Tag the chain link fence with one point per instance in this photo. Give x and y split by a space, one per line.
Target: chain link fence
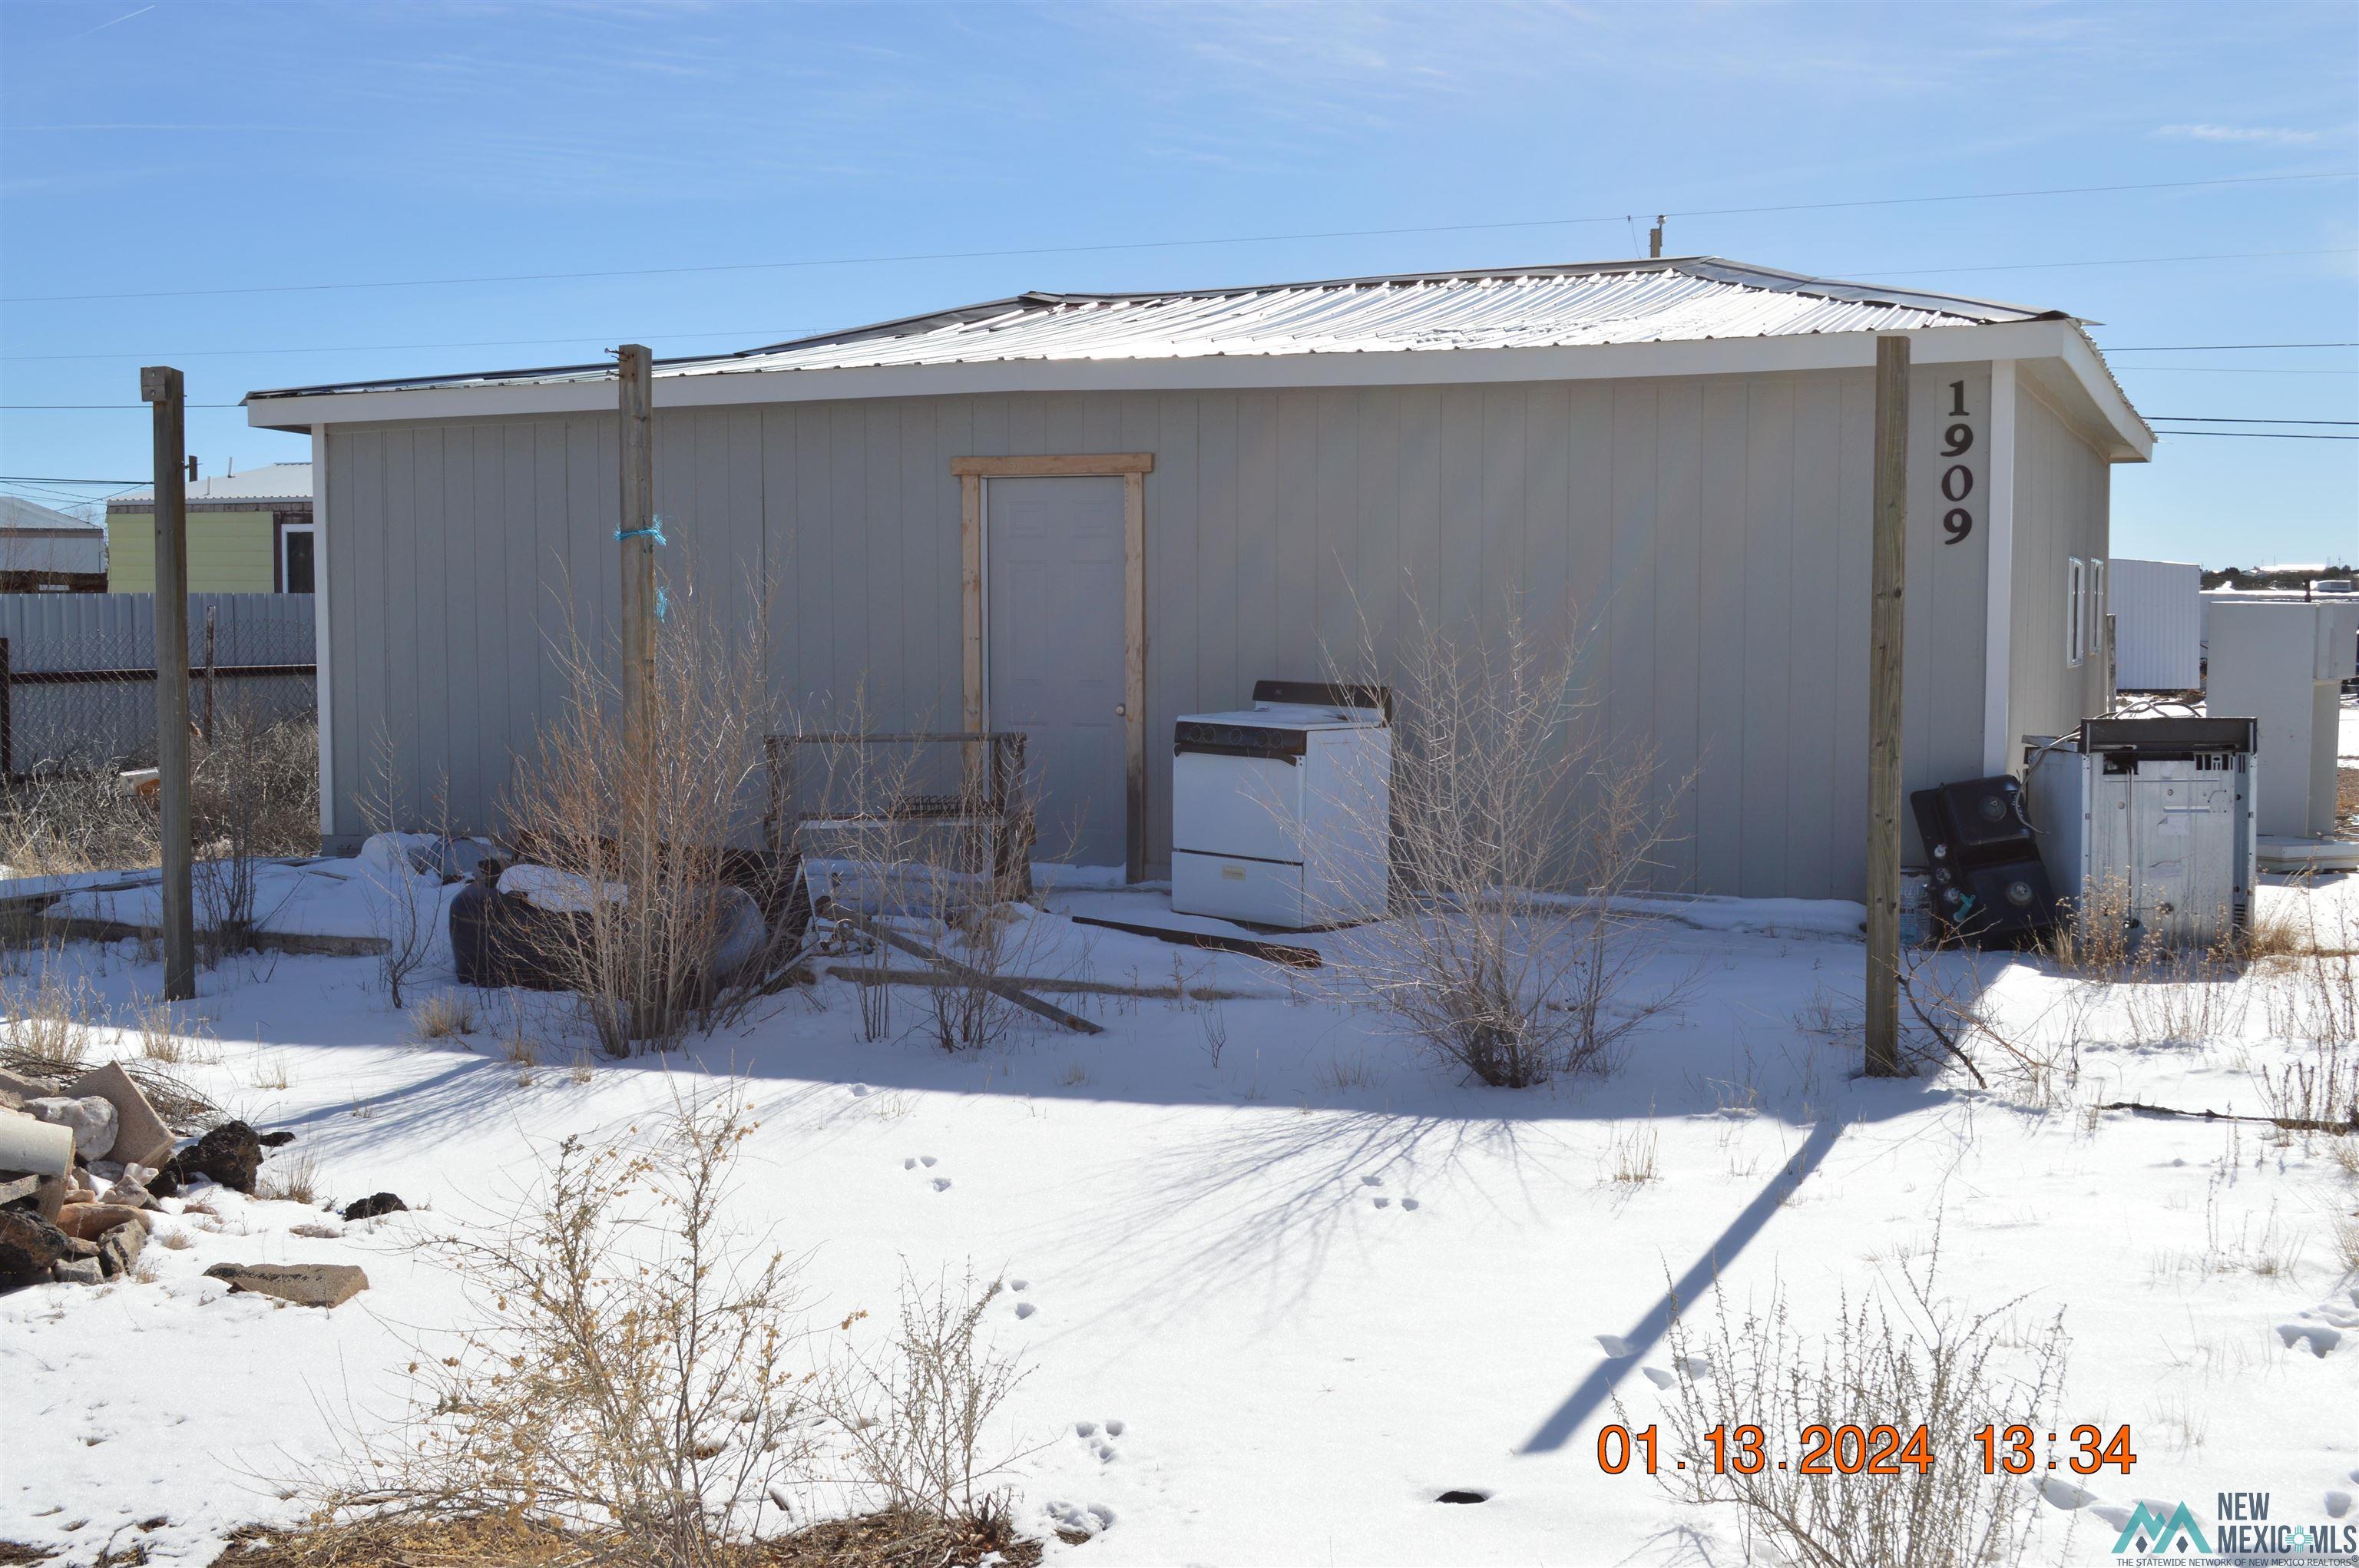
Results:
78 720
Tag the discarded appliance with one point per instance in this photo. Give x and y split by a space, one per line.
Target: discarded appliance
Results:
2160 811
1984 874
2282 661
1281 812
2157 612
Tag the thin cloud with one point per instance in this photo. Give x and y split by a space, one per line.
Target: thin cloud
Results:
2277 136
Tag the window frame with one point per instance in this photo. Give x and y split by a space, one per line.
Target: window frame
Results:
2076 611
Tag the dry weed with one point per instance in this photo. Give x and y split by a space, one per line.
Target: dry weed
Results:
446 1015
631 1381
1518 830
290 1178
1763 1380
663 943
49 1021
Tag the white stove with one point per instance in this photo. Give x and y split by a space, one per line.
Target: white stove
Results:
1280 813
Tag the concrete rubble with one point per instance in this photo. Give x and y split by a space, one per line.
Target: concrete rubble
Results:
86 1164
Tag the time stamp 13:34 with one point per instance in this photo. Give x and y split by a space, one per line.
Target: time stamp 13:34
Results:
1882 1450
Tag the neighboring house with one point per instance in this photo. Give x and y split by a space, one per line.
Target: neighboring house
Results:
44 550
248 533
943 509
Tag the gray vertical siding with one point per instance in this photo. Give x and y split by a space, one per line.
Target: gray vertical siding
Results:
2062 508
1714 530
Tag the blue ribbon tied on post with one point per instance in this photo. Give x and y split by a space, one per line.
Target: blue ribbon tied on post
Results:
654 531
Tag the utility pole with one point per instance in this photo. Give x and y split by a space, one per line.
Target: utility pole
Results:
635 373
1886 619
1655 239
162 386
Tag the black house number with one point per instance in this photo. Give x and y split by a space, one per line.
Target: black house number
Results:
1957 480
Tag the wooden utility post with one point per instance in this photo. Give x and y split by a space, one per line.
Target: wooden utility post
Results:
162 386
1886 620
1654 238
635 373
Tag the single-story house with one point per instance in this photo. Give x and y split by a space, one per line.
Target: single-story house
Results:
248 533
1087 515
44 550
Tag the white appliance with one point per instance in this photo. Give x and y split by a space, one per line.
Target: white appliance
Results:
2282 661
2159 808
1281 812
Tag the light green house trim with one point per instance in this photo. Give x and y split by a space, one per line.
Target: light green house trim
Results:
229 552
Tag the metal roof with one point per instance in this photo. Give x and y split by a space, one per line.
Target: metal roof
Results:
1677 298
18 514
271 481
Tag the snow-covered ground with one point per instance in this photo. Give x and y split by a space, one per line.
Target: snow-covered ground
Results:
1318 1279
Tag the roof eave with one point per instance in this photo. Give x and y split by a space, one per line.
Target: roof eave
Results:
2107 413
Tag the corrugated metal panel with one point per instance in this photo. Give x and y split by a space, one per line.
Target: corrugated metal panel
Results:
2157 610
1687 299
271 481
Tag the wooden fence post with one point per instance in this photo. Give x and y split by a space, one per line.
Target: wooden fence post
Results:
162 386
1889 576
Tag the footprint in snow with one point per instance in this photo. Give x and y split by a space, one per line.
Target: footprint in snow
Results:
2337 1503
1384 1203
2119 1514
1019 1284
1085 1429
910 1163
927 1161
1025 1308
2316 1337
1115 1429
1372 1180
1659 1377
860 1091
941 1183
1408 1203
1614 1344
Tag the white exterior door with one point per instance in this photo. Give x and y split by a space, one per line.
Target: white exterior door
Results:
1053 653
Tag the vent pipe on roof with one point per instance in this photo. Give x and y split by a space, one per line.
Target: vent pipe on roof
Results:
1655 239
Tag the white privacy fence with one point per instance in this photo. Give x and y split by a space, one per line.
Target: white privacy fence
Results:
77 672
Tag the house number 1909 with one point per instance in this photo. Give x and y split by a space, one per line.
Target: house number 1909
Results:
1957 480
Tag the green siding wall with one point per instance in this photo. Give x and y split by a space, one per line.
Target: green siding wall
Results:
229 552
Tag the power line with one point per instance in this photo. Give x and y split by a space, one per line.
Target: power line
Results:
37 408
2207 347
1156 244
2258 435
168 355
2108 261
2224 420
53 479
2227 370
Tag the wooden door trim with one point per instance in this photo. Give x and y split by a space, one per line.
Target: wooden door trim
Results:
1132 468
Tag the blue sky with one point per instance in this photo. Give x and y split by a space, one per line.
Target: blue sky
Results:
181 145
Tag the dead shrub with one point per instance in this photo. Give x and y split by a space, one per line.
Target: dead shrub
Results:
57 824
1914 1359
1518 833
917 1420
639 825
631 1386
253 795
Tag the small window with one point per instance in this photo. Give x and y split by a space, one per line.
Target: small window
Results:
296 559
2076 611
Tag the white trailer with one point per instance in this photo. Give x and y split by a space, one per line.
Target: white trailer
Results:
2157 612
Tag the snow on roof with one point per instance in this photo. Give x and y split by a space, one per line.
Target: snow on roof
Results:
271 481
1677 298
16 512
